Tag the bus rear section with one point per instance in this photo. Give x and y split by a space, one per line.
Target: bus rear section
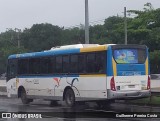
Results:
129 76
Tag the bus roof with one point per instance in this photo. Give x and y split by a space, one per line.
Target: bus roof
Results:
78 48
63 50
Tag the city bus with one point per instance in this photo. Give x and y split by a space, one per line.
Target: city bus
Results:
81 72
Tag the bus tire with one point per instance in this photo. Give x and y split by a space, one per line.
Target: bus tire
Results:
69 98
24 98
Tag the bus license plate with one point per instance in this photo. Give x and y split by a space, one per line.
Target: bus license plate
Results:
131 86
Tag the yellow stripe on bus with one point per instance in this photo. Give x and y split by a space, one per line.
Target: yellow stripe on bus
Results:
146 66
114 67
90 49
93 75
17 82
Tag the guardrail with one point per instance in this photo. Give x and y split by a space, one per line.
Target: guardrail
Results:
3 88
155 84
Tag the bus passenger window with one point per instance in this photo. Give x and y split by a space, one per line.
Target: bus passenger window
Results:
82 63
66 64
52 65
23 66
34 66
91 63
58 64
100 62
45 63
12 68
74 64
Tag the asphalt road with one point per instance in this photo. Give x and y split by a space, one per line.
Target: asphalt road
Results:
87 112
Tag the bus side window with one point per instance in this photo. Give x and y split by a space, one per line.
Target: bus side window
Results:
66 63
45 63
100 62
34 66
91 63
23 65
12 69
74 64
82 63
58 65
52 67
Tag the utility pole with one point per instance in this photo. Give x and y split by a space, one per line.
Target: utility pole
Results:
18 30
86 23
125 25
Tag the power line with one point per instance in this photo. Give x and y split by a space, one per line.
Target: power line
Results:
92 22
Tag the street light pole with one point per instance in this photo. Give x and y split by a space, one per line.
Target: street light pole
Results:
18 30
86 23
125 25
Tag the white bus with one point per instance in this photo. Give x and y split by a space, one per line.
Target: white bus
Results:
80 73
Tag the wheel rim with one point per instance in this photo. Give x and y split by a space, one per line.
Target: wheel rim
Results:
23 95
70 98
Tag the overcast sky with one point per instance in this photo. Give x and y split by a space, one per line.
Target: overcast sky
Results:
24 13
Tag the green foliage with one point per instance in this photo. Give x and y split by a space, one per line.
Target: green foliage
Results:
142 29
41 36
155 61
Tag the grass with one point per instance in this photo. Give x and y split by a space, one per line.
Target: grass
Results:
153 100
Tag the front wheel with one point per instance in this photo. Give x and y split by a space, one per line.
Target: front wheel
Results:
69 98
24 98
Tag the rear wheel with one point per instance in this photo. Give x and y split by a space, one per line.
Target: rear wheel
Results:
69 98
24 98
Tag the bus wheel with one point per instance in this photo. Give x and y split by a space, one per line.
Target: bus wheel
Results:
69 98
24 98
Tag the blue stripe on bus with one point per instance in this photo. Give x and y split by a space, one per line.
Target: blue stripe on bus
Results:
130 69
45 53
109 62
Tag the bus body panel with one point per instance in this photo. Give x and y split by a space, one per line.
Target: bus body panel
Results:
124 83
11 88
128 87
93 87
84 87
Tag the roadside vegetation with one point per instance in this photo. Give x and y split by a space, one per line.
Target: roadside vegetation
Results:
153 100
143 28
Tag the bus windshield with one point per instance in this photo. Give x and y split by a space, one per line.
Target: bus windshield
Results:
129 56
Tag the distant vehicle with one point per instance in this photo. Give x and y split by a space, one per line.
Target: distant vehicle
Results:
80 73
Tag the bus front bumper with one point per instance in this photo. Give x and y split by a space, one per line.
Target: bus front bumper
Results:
128 94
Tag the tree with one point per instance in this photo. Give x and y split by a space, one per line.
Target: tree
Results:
41 37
